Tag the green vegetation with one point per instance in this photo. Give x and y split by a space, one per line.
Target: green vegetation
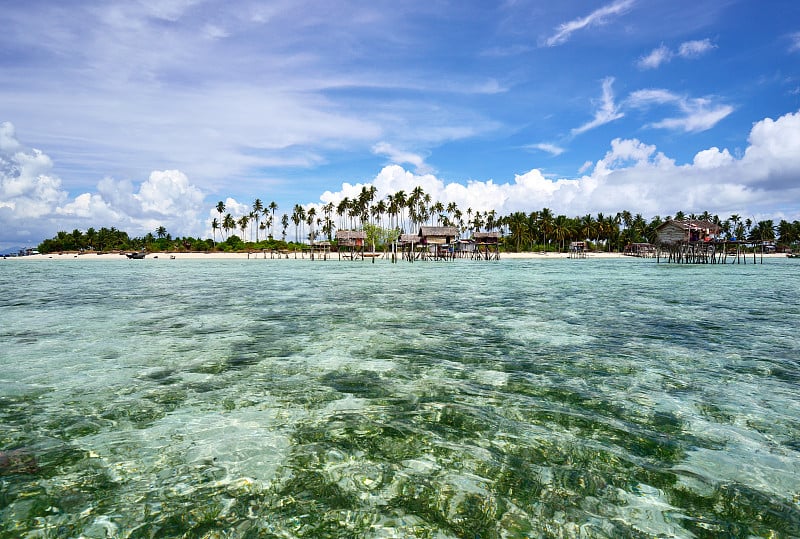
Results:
384 219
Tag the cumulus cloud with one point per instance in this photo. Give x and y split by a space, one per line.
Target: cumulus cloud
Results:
34 205
606 112
595 18
697 114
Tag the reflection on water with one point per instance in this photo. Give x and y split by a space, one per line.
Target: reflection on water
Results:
595 398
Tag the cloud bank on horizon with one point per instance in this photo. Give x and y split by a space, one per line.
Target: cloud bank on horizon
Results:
631 174
146 114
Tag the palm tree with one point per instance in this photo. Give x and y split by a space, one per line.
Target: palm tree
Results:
258 207
228 224
561 230
401 200
220 209
328 228
298 218
214 228
310 219
272 207
161 232
342 210
243 221
519 230
91 237
545 223
587 226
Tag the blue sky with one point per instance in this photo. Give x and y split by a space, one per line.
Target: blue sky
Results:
138 114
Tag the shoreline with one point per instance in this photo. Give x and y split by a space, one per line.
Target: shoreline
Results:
258 255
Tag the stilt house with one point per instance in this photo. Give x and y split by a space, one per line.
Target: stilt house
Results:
689 230
487 245
351 243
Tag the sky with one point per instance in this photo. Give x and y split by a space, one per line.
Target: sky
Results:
140 114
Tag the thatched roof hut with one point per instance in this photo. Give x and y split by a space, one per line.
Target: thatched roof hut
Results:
406 239
486 237
351 238
437 235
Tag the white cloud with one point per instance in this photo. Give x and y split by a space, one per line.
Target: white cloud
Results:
35 205
400 157
694 49
630 175
698 114
712 158
663 54
607 111
552 149
597 17
8 139
657 57
794 46
772 155
635 175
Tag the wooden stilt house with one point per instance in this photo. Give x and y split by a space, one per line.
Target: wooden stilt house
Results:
350 244
438 240
690 241
487 245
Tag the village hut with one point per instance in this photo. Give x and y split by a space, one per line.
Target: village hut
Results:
641 250
690 241
409 246
688 230
577 249
351 243
487 245
438 240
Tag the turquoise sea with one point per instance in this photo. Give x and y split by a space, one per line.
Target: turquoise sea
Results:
282 398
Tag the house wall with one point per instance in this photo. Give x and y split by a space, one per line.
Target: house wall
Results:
671 234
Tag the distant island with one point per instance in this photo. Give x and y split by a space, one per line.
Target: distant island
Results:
383 220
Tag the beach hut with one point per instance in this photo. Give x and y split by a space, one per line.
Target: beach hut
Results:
688 230
690 241
438 240
487 245
351 243
641 250
409 246
577 249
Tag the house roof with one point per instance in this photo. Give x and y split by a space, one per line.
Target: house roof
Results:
350 235
690 224
428 231
486 235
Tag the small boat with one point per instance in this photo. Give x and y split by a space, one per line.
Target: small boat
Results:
793 255
135 256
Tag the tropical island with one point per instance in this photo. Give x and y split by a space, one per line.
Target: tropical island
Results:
383 220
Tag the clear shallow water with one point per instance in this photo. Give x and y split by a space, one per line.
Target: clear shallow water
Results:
525 398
